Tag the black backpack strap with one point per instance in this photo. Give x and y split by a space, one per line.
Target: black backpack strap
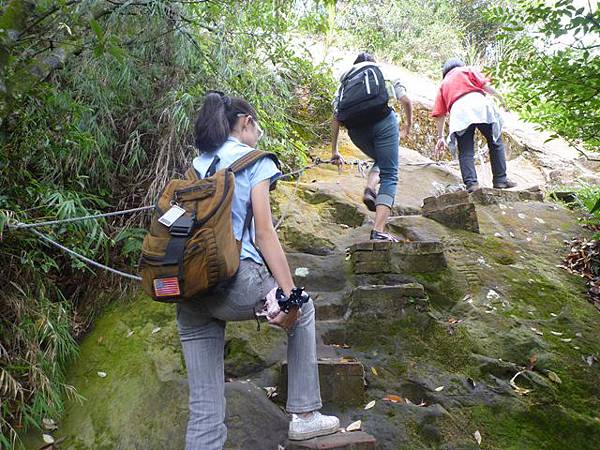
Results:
213 167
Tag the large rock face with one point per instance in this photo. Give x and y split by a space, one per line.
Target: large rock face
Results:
453 333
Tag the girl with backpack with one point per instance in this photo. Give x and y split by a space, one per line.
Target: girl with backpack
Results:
462 95
361 105
226 129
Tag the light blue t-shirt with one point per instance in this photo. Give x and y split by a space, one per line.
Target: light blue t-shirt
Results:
263 169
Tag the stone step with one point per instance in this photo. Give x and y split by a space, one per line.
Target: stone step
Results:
355 440
342 382
386 301
454 210
374 257
330 332
491 196
330 305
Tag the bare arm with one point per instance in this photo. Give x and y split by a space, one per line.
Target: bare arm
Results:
335 132
267 239
408 112
441 142
270 247
336 158
439 123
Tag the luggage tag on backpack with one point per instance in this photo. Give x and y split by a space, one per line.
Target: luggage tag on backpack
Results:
174 213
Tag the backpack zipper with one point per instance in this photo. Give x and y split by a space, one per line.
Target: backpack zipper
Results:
375 76
367 82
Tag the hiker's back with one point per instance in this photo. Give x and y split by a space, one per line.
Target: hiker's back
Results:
202 226
245 180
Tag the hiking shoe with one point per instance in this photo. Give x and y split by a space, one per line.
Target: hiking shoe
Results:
369 199
473 187
506 185
382 236
316 425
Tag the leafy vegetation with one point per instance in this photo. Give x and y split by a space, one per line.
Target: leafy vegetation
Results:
97 99
551 65
417 34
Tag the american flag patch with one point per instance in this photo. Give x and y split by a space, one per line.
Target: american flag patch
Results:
166 287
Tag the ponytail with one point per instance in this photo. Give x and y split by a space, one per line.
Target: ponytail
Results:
216 119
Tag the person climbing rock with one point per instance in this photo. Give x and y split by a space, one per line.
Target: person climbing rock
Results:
361 105
225 130
462 94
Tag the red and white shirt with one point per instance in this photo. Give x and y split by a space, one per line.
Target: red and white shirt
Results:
457 83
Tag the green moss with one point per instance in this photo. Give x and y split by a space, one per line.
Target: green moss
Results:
539 426
444 288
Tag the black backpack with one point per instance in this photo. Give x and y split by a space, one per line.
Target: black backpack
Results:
363 97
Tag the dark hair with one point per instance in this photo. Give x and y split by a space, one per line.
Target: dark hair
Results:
364 56
450 64
216 119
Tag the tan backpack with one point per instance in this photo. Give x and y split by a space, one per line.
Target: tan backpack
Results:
190 246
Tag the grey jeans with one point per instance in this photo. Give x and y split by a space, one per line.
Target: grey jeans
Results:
201 328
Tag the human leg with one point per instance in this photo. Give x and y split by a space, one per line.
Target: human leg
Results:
466 144
386 148
304 397
202 345
497 155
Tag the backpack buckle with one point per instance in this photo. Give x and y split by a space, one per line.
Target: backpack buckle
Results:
182 226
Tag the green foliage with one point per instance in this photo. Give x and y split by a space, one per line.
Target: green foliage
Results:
417 34
588 199
97 102
552 64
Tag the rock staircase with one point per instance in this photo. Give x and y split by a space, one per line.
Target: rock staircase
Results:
380 289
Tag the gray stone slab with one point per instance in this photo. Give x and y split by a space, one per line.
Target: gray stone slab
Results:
355 440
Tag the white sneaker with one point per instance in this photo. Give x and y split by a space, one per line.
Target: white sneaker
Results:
316 425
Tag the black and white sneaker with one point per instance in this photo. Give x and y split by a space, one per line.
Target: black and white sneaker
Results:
382 236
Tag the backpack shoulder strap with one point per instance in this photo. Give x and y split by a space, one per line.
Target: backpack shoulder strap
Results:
250 158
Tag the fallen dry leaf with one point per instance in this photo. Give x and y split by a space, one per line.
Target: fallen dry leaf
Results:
130 333
439 389
536 331
156 330
393 398
49 424
477 436
301 272
471 382
370 404
374 371
556 333
566 339
101 374
48 439
346 359
554 377
271 391
519 390
354 426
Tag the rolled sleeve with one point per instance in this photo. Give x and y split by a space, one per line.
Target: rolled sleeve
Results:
399 89
264 169
439 106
